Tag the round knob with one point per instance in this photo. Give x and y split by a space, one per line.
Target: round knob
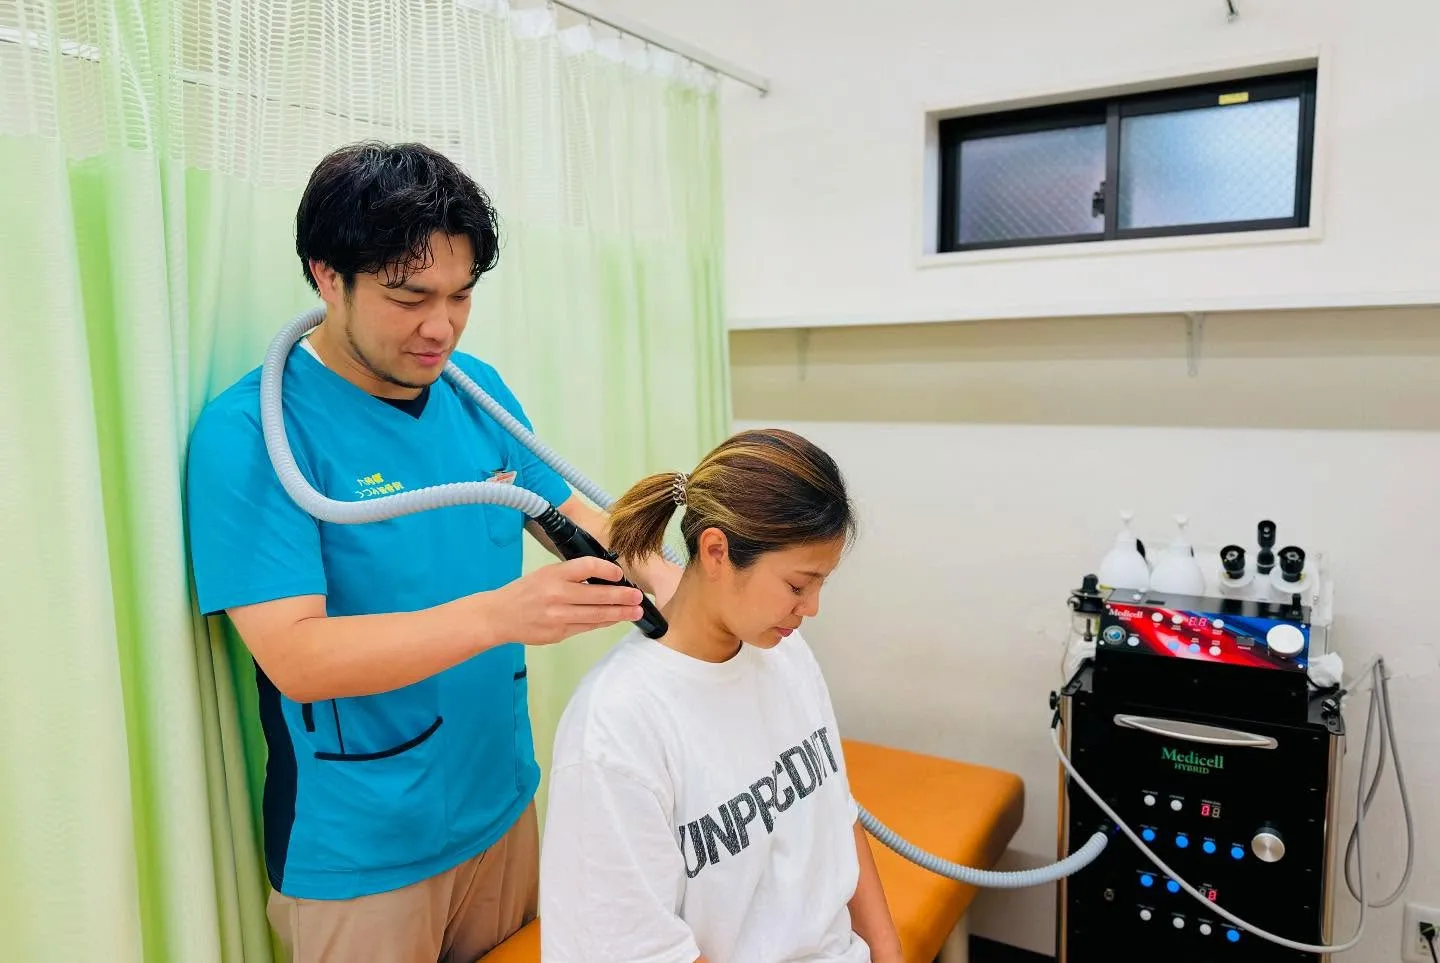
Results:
1267 846
1178 922
1176 805
1285 640
1149 799
1292 563
1232 557
1145 914
1205 929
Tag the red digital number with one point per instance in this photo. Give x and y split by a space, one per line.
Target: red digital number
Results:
1205 809
1211 895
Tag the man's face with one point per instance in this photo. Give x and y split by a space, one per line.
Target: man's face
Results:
402 332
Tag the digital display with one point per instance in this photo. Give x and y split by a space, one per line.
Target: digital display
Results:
1209 810
1198 623
1210 893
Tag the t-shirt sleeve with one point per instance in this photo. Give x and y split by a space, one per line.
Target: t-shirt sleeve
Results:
249 542
611 873
531 472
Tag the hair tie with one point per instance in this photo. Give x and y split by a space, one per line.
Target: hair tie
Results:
677 487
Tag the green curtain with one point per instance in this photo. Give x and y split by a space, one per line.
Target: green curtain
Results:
151 156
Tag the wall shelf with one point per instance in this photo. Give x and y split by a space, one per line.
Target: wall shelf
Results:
1209 307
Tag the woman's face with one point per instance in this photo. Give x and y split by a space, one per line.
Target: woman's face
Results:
767 601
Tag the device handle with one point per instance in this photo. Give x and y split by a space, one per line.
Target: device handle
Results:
1195 732
572 541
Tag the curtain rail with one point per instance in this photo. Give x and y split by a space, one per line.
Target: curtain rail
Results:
639 32
680 47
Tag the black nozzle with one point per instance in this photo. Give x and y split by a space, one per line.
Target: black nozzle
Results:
1087 597
1265 561
572 541
1232 557
1292 563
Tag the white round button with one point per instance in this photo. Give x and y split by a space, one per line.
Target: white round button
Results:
1177 620
1157 617
1204 929
1176 804
1149 799
1145 914
1285 640
1178 923
1133 641
1218 623
1214 650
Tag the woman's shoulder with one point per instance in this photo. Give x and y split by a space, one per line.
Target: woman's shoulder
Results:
613 715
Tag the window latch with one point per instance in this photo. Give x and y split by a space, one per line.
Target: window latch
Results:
1097 202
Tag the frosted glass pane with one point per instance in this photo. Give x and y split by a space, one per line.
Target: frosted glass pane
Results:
1209 165
1034 185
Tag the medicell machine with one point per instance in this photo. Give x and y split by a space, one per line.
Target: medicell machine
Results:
1196 720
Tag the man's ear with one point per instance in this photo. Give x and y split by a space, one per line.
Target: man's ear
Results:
331 284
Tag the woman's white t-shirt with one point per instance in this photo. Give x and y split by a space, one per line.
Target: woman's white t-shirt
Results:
699 808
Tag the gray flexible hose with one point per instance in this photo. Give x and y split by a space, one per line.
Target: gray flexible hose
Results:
272 424
491 493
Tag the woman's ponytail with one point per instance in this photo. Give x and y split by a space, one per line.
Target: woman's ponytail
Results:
639 517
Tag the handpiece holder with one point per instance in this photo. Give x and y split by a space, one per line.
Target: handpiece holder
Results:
572 541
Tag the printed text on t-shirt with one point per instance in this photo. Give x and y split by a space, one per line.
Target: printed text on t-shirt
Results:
797 773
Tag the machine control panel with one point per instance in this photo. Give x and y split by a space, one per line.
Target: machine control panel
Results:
1217 631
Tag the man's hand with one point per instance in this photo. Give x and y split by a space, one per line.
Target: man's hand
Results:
555 602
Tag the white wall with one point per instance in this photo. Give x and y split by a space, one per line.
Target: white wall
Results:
1023 438
824 173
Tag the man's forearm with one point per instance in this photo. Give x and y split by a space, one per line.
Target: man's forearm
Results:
869 913
338 657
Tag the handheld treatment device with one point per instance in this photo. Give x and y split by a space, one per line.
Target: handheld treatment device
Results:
572 542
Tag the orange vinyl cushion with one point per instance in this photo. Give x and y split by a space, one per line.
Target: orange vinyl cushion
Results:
958 811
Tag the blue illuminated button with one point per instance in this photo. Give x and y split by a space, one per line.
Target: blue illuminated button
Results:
1209 847
1182 840
1174 646
1146 880
1173 886
1237 851
1233 936
1148 835
1194 646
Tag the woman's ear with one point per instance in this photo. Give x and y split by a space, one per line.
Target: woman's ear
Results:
712 551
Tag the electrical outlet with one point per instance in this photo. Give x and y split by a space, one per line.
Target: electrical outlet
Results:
1414 947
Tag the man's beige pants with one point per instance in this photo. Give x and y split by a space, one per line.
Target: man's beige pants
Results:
455 917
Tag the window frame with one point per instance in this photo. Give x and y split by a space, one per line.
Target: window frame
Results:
1111 111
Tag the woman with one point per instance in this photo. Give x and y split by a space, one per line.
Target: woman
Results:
699 807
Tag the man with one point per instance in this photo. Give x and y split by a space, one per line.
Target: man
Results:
399 817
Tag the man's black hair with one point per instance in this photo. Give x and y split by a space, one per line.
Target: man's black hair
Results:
370 208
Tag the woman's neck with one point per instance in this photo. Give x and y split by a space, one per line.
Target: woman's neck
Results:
694 628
